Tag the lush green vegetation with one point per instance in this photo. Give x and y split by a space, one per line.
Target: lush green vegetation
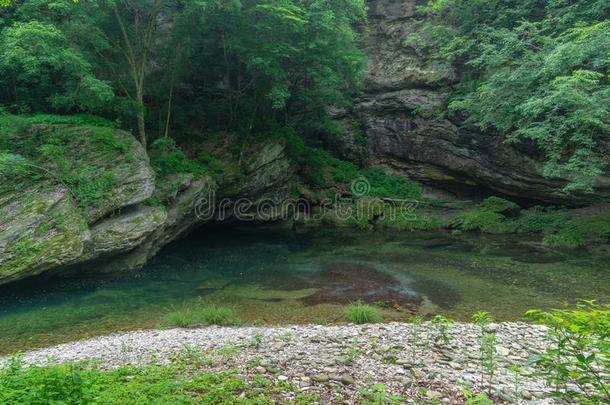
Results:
360 313
79 152
245 66
560 227
179 383
577 361
530 71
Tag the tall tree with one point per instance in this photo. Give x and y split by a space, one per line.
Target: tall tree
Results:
133 34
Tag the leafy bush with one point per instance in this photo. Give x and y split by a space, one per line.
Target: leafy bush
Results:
389 186
579 231
44 385
166 158
319 167
538 220
360 313
485 221
211 164
489 216
578 359
499 205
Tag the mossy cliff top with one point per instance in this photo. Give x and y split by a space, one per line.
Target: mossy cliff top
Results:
58 177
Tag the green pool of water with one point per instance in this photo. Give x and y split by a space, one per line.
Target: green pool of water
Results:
276 276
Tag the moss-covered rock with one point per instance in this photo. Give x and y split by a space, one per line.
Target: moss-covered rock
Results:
40 228
62 186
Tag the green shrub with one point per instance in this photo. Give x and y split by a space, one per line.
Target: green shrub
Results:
485 221
211 164
578 359
539 220
166 158
489 216
360 313
579 231
389 186
497 204
44 385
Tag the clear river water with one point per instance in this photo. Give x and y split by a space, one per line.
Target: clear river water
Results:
279 276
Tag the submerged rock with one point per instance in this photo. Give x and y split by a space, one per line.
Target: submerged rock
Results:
350 282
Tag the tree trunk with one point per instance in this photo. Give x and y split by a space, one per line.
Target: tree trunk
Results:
140 117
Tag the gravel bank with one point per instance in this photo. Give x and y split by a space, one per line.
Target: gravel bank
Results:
330 359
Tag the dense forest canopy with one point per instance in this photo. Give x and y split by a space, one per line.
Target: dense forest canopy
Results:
173 66
535 70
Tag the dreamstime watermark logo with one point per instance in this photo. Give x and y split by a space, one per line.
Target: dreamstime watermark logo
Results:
358 206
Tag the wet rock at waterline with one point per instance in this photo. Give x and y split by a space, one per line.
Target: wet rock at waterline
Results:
47 227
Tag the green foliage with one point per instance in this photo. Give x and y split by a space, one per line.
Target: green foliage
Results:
45 73
167 158
539 220
38 385
499 205
477 399
487 217
247 66
529 72
317 166
578 358
578 231
377 394
443 325
181 382
388 186
360 313
211 164
487 347
44 147
482 318
195 316
480 219
276 58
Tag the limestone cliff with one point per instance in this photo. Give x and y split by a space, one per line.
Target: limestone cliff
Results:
114 214
396 124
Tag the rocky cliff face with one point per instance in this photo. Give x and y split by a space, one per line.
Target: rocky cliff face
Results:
395 124
45 229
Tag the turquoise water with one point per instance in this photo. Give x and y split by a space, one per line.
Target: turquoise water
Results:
274 276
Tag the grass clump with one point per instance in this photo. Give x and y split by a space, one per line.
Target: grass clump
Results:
360 313
191 317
